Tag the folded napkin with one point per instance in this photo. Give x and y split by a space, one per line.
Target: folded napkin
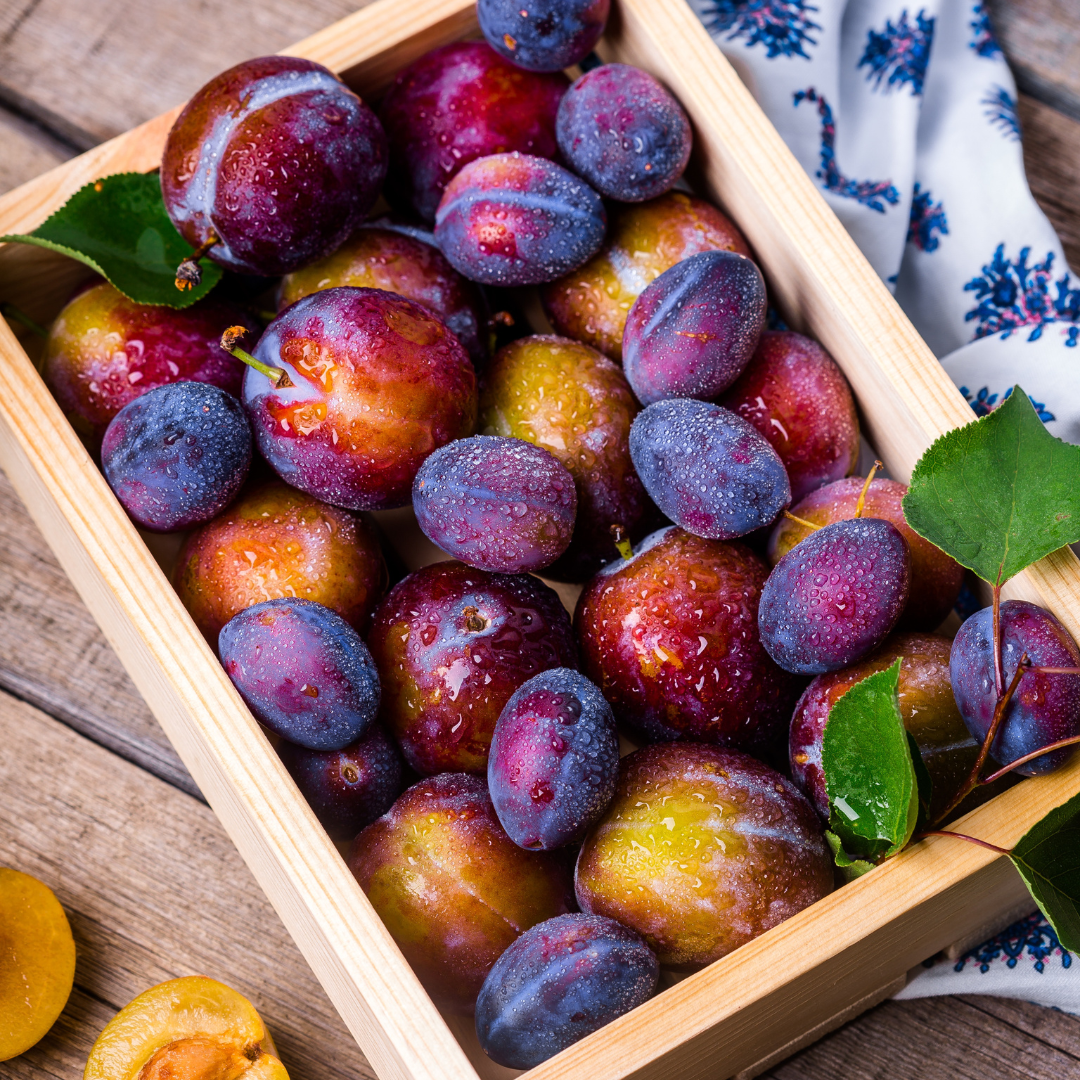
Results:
905 117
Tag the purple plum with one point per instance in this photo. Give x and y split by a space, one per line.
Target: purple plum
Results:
516 219
177 455
623 132
543 35
694 329
561 980
499 504
303 671
554 760
707 469
835 597
1044 708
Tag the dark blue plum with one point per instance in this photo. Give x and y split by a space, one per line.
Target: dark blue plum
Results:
835 596
495 503
1044 708
543 35
178 455
303 671
554 760
693 330
623 132
561 980
515 219
349 788
707 469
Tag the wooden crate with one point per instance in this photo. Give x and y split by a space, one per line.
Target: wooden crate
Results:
827 961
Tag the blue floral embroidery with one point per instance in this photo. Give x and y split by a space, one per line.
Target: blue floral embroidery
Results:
926 220
983 402
1011 295
983 42
1033 934
900 53
870 193
1000 109
782 26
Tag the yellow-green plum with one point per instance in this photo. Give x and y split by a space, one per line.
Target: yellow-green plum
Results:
701 850
452 888
575 403
643 240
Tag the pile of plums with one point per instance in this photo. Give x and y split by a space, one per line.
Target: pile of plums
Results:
687 466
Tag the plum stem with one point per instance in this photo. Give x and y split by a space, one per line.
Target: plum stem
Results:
622 542
278 376
189 273
1049 748
474 621
11 312
999 667
801 521
984 751
963 836
860 503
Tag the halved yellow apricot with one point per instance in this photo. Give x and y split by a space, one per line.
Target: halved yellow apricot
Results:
193 1028
37 961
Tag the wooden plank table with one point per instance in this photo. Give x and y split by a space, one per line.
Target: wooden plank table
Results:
94 801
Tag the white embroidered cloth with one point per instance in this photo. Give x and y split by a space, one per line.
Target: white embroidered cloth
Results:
905 116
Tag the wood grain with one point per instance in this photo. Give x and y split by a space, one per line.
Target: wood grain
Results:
970 1038
1041 39
1052 161
92 71
28 150
54 655
154 889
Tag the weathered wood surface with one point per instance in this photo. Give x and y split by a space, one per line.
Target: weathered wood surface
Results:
154 889
88 71
1041 38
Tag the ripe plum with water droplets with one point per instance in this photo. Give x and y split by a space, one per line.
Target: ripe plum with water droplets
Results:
694 329
543 35
836 596
378 383
303 671
452 643
671 638
517 219
561 980
276 160
452 888
554 757
498 504
701 850
1045 708
177 455
624 133
707 469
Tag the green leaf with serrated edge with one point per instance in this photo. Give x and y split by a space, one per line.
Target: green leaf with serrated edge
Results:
849 867
923 782
1048 859
998 494
119 227
869 775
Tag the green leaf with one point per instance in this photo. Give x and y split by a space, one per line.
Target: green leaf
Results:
1048 858
924 784
119 227
998 494
869 775
852 868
